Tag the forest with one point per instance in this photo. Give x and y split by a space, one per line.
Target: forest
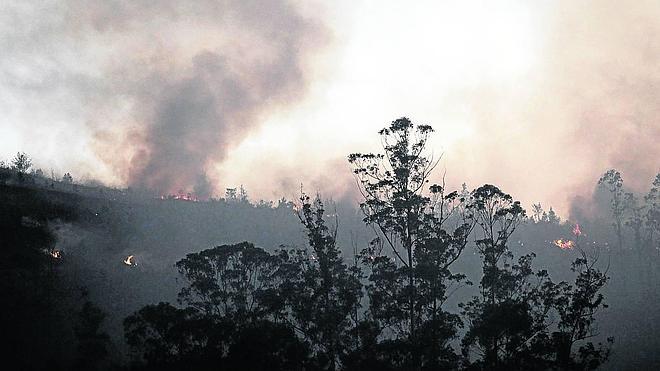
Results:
415 277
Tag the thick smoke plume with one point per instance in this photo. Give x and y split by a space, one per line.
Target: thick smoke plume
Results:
192 118
539 98
168 86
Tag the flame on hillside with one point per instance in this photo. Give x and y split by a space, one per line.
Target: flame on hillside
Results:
564 244
577 231
53 253
129 260
180 196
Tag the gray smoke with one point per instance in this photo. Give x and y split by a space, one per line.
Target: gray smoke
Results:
164 87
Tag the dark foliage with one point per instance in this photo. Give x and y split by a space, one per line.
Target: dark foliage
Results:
303 308
306 308
421 231
36 330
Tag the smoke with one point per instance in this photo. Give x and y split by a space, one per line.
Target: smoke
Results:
612 85
590 102
187 122
606 58
165 89
538 98
194 109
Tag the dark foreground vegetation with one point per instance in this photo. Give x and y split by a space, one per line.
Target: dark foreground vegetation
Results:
434 279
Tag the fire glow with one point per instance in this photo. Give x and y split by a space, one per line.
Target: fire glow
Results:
56 254
180 196
564 244
129 260
577 231
568 244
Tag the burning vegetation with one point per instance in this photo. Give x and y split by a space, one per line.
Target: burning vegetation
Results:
53 253
129 261
316 287
181 197
564 244
577 231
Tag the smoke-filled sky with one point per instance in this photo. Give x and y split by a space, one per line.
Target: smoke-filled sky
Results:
537 97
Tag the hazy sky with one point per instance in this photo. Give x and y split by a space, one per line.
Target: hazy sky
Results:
537 97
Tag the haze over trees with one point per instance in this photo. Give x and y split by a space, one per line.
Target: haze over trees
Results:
442 280
314 302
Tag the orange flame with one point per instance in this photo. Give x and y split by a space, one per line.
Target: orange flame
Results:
564 244
56 254
129 260
577 231
180 196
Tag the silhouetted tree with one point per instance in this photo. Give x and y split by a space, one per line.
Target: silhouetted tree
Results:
576 306
409 285
552 217
21 163
537 211
230 194
229 280
324 292
164 336
510 324
67 178
264 346
613 183
511 307
652 200
233 317
634 219
242 307
242 195
36 328
92 342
